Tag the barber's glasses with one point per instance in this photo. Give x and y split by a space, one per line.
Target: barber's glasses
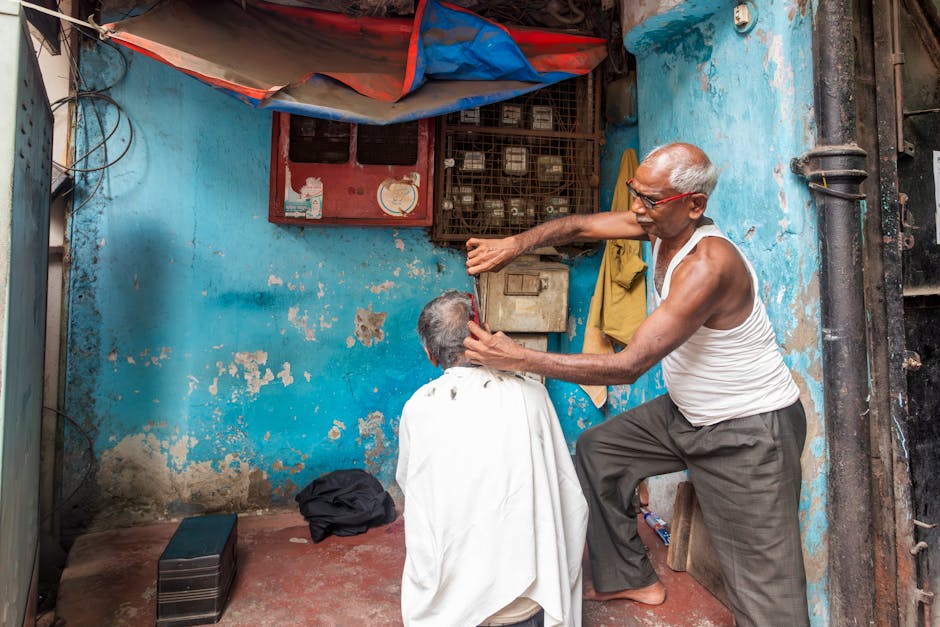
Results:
648 202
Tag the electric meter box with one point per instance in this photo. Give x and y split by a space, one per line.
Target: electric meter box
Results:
527 296
335 172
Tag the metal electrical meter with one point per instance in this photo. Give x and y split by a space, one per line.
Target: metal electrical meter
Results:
505 167
527 300
527 296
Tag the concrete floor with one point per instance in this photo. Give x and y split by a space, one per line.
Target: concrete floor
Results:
285 579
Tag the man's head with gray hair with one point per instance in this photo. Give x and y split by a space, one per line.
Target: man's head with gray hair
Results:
690 169
442 327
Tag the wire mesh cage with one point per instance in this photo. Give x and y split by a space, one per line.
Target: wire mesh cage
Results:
505 167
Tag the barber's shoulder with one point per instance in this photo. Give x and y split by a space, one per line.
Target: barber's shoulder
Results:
712 264
717 254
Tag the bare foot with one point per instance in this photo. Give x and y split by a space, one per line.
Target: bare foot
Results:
653 594
643 493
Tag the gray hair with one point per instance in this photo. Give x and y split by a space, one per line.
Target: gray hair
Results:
690 168
442 327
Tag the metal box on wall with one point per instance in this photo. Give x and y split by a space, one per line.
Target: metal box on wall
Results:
527 296
334 172
509 166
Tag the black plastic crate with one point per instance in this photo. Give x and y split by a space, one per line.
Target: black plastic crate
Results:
196 571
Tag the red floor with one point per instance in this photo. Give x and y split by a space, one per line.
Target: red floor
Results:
285 579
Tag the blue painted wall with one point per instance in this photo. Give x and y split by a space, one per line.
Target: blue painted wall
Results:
216 361
746 99
222 362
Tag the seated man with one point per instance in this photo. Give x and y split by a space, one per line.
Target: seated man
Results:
494 515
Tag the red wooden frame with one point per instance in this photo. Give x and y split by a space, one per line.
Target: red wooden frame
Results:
351 191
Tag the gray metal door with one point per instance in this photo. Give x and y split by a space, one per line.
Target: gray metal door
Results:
919 185
25 163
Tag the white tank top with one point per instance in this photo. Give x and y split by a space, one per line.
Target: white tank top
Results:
717 375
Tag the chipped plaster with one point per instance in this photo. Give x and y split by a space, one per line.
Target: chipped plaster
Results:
251 363
300 323
369 326
145 477
372 438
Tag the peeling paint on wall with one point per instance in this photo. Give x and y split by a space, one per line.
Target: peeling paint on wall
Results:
279 466
137 479
385 286
369 326
251 367
300 323
782 80
415 269
284 375
372 438
145 356
336 430
179 450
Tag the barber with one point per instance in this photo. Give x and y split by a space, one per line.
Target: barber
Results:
731 415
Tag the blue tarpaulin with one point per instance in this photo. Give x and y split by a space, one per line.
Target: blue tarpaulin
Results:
365 70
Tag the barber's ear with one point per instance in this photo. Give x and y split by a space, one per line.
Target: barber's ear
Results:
699 202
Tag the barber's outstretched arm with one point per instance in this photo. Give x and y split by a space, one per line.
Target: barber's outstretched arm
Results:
694 296
484 255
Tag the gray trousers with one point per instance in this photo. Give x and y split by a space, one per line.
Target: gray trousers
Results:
746 474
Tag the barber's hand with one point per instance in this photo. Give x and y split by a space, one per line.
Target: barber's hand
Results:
492 349
485 255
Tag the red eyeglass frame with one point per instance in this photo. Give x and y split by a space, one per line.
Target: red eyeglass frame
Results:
648 202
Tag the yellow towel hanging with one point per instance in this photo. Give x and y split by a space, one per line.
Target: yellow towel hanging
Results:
618 306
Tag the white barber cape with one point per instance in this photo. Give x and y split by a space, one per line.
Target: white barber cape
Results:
493 508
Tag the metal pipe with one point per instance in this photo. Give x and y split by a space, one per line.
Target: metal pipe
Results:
836 168
897 60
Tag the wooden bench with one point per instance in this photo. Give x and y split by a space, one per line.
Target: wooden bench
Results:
690 548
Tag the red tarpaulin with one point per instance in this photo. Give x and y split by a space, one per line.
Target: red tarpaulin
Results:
374 70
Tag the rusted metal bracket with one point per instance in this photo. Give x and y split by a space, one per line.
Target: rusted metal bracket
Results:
922 596
907 238
836 158
920 546
913 363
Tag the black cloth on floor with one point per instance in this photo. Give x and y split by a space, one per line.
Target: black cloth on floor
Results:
345 503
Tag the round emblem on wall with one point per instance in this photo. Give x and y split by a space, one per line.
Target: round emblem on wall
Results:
397 198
